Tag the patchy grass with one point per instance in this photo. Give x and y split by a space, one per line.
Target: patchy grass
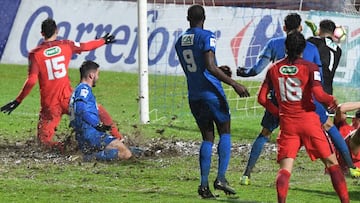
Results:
28 174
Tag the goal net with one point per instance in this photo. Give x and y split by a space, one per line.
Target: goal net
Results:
242 27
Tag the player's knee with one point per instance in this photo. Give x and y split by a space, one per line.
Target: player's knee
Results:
124 154
330 161
328 124
266 132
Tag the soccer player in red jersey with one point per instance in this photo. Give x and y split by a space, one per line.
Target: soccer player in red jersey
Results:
295 81
48 63
349 131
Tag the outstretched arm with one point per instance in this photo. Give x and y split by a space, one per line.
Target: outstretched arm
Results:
265 58
342 109
93 44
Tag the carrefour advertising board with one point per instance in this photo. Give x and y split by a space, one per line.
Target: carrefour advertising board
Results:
241 33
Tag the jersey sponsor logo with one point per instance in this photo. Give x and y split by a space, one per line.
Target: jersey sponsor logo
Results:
52 51
317 76
288 70
187 40
212 42
84 92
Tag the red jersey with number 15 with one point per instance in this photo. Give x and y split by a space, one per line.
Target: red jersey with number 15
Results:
48 63
294 86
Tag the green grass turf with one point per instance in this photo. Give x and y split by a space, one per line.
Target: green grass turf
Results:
158 179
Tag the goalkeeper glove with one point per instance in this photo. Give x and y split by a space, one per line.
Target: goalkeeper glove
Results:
109 38
9 107
102 128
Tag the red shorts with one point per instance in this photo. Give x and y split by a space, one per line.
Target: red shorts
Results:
304 130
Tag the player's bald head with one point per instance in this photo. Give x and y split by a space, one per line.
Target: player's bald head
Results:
196 14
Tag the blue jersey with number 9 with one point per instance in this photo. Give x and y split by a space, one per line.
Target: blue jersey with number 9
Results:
190 48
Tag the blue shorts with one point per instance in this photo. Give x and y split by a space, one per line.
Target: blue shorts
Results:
95 142
269 121
208 111
321 111
104 155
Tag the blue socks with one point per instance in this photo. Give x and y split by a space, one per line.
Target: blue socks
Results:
256 149
340 145
205 162
224 152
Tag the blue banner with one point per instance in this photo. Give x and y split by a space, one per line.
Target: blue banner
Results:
8 10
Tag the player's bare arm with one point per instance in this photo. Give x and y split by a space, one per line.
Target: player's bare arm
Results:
217 72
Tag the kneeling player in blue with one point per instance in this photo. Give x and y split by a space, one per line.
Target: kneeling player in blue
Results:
91 134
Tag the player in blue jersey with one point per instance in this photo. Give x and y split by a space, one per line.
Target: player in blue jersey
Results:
91 134
273 51
196 51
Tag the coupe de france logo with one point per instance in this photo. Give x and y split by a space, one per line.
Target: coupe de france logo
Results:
52 51
288 70
187 40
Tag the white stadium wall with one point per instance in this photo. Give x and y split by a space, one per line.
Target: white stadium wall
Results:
242 32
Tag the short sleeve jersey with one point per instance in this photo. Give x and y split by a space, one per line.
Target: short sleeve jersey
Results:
83 93
190 48
292 84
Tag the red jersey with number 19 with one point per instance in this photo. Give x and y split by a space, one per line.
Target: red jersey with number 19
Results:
49 63
294 86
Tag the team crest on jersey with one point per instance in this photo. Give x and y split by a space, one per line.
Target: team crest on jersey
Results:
317 76
84 92
288 70
187 40
52 51
212 42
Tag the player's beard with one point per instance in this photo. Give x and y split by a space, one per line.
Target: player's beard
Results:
93 83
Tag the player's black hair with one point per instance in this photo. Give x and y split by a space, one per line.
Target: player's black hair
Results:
196 14
327 26
86 67
292 21
355 139
295 44
48 28
357 114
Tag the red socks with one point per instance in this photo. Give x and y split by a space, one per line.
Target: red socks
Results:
282 184
106 119
339 184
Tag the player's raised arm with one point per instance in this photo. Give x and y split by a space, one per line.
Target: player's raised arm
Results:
93 44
